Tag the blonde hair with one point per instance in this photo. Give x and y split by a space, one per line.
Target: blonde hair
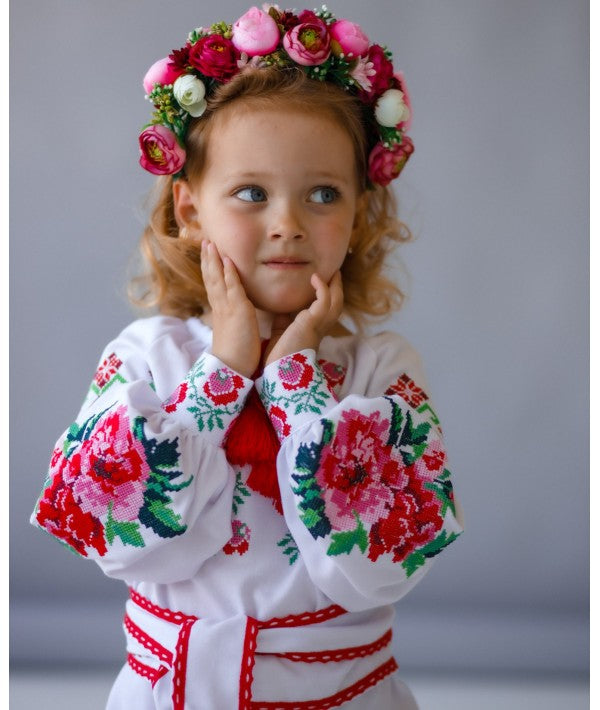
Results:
173 281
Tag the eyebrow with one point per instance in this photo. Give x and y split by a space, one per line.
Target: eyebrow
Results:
320 175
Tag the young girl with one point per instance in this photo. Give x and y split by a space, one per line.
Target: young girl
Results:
267 482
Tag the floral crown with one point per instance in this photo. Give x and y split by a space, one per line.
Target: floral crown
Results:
326 49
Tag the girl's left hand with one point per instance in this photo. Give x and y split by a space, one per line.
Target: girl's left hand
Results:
306 330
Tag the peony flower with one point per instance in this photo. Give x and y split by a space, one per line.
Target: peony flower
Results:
189 92
352 40
308 43
383 76
160 152
161 72
390 109
214 56
256 32
385 164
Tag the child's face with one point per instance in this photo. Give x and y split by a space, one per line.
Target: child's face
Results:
278 195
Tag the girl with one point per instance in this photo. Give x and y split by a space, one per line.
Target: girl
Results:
267 482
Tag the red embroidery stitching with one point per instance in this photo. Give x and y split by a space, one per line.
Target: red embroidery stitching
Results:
247 665
153 674
107 369
147 641
175 617
334 701
310 617
408 390
341 654
180 668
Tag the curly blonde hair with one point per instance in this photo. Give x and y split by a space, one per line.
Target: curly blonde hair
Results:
173 281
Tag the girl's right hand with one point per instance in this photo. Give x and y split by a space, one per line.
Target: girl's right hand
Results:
236 336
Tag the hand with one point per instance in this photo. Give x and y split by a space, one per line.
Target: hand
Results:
306 330
236 338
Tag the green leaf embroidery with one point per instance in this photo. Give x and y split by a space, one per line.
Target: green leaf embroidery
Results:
344 542
418 558
289 548
127 531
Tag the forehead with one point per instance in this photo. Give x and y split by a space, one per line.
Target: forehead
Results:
285 135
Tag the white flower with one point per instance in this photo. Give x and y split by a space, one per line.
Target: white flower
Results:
189 92
391 109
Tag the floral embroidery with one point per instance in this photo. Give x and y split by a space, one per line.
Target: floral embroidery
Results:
222 386
408 390
289 548
221 389
239 493
106 374
300 389
334 374
240 540
107 480
176 398
279 421
376 483
294 372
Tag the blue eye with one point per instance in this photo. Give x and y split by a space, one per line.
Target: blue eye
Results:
251 194
324 195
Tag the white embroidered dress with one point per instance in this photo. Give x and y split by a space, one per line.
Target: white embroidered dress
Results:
234 605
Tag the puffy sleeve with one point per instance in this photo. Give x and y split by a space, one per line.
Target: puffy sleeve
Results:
140 482
365 489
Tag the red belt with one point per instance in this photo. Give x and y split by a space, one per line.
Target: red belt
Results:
176 660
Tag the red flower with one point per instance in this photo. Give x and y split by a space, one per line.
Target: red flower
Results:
222 386
383 77
214 56
176 398
334 374
60 514
107 370
408 390
180 58
294 372
240 540
385 164
413 521
279 421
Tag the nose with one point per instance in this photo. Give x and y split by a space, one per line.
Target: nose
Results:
286 222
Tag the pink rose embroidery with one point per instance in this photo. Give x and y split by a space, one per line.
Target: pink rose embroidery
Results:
240 540
279 421
334 374
295 372
160 152
222 386
110 468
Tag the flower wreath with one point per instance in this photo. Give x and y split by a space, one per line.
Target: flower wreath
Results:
327 49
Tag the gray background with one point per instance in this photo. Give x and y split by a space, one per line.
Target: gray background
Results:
497 195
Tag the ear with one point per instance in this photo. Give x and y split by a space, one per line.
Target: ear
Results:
184 206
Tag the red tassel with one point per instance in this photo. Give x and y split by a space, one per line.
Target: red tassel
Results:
252 440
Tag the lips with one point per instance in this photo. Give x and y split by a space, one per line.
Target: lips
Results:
285 261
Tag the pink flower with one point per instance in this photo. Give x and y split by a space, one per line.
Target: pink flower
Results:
214 56
110 468
176 398
240 540
160 152
400 83
356 468
222 386
255 33
161 72
362 72
385 164
350 37
279 421
295 372
308 43
383 76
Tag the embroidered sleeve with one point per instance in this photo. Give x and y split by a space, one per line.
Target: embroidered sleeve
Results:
365 488
135 475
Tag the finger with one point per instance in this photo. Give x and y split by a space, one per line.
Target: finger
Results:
212 274
321 305
336 292
232 280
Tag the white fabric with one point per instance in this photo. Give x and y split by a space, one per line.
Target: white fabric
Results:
285 569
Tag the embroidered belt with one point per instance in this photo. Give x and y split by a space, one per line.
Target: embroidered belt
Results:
202 655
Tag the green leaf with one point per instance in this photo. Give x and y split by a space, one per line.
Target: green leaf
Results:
344 542
418 558
128 532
